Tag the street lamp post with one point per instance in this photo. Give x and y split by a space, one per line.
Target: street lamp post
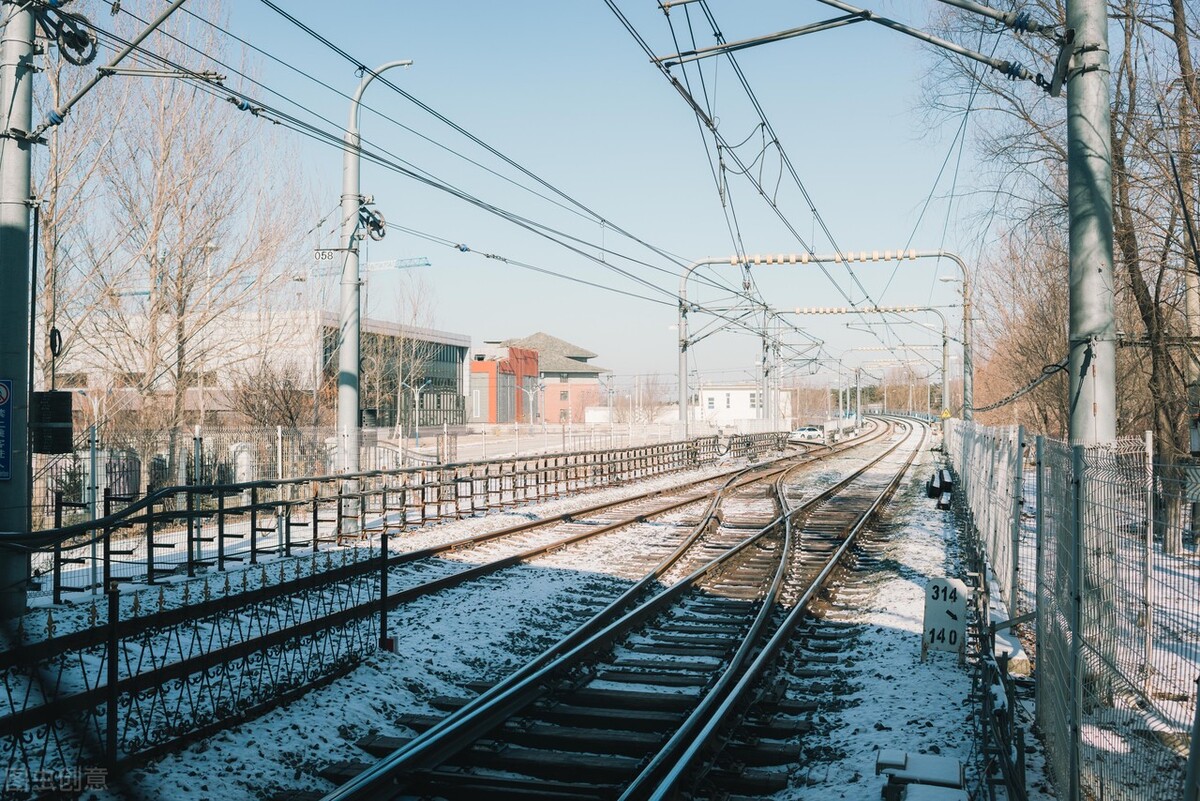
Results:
529 395
349 312
416 391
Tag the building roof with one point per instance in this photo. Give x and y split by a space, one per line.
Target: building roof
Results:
557 355
386 328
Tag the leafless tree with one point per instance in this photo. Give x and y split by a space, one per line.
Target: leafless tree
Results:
187 233
270 395
1154 123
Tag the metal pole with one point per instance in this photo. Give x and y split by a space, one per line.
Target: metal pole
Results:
1079 504
857 397
1191 783
348 318
194 523
1039 519
16 115
1148 568
946 363
93 491
1092 334
683 338
1018 503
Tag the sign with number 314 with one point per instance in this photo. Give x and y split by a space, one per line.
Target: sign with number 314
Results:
945 617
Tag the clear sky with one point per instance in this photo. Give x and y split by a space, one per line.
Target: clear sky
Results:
562 89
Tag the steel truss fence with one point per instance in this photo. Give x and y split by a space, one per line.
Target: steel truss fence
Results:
149 669
1116 588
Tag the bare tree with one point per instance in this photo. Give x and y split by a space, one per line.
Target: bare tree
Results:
187 234
1156 289
272 395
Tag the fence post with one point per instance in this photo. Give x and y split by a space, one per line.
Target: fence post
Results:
58 517
254 525
107 537
384 643
110 738
193 523
93 492
1191 784
1148 571
1018 505
1076 625
1039 491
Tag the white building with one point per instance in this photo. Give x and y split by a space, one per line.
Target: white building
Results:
733 404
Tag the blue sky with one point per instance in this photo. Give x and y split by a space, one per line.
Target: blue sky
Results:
564 90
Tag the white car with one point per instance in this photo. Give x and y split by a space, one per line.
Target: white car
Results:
806 434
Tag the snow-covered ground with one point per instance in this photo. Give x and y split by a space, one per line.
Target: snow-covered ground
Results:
486 629
888 697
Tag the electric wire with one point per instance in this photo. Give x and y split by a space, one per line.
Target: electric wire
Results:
383 80
786 161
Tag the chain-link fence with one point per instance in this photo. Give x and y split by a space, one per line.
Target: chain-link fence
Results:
992 493
1117 589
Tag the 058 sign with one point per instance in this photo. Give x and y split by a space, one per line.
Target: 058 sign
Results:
945 617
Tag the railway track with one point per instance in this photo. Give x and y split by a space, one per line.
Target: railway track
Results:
203 641
643 694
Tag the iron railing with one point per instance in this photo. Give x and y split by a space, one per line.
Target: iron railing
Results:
1117 595
144 672
211 526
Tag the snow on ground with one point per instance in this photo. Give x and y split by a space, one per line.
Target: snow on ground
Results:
891 698
84 610
488 628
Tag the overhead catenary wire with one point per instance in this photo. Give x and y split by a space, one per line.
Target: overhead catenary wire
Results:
307 129
360 67
786 161
315 132
583 210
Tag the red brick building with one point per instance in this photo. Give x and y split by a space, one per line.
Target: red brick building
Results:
504 385
569 383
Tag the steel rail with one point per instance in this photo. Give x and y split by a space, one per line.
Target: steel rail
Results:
469 723
686 737
684 758
57 707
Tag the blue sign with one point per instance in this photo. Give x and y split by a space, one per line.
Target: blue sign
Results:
5 429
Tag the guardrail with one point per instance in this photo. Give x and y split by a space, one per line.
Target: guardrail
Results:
143 674
187 529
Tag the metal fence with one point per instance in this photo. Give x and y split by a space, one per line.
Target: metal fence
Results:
142 675
1117 590
991 494
213 525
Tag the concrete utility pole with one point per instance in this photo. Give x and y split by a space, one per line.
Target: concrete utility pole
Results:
1092 403
16 120
349 322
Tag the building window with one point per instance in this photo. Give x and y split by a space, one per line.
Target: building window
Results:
728 400
712 403
564 395
753 400
562 379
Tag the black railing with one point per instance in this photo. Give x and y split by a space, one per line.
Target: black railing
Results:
213 526
144 673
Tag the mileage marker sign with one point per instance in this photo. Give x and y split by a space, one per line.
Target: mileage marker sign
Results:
945 617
